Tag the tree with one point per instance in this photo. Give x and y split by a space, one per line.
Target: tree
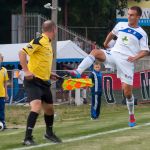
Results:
89 13
95 13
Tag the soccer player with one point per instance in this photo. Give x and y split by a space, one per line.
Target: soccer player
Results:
37 81
3 91
131 45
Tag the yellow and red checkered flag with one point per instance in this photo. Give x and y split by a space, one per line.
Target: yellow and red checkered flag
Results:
71 84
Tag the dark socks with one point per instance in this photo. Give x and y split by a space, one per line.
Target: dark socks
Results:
49 119
30 124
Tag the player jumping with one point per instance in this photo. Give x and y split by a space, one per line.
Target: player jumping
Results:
131 45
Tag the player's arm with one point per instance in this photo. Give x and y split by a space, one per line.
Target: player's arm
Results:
141 54
109 37
144 49
112 34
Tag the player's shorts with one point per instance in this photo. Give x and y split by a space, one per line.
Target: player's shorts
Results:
38 89
118 61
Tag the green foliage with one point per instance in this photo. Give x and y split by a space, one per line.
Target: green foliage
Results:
81 13
95 13
121 4
90 13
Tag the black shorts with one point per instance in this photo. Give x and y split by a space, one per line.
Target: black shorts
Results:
38 89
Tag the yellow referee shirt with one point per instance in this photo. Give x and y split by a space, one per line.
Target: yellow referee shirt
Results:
3 78
40 55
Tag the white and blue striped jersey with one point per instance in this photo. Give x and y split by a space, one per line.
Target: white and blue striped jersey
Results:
130 40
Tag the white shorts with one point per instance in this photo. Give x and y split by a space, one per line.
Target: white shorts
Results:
118 61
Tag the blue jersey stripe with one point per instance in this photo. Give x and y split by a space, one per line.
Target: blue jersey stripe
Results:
133 32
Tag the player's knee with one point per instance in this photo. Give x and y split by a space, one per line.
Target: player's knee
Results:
94 52
127 94
98 54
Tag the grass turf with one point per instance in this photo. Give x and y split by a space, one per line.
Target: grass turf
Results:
72 122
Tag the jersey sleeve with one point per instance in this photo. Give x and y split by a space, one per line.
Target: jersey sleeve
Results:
116 29
144 43
32 47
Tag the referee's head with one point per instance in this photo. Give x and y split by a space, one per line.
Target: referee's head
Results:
49 28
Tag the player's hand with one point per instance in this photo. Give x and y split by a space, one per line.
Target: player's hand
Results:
54 76
28 75
131 59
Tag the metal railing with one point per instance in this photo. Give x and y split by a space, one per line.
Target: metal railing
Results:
17 93
27 28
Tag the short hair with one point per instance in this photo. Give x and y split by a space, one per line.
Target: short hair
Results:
96 63
138 10
48 26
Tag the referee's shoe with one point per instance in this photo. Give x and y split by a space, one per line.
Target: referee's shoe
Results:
29 141
52 137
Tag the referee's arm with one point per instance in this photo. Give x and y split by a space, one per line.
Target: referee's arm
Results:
23 62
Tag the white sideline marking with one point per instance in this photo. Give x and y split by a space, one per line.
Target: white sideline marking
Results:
84 137
15 132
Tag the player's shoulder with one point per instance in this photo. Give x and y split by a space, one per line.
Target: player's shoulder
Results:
141 30
122 24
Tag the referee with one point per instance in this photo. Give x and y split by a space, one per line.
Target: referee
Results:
37 81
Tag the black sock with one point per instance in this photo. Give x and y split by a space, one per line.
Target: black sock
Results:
49 119
30 124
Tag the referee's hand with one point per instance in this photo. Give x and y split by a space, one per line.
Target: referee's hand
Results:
54 76
28 75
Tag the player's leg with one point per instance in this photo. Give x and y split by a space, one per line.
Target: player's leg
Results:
130 103
49 116
125 71
89 60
